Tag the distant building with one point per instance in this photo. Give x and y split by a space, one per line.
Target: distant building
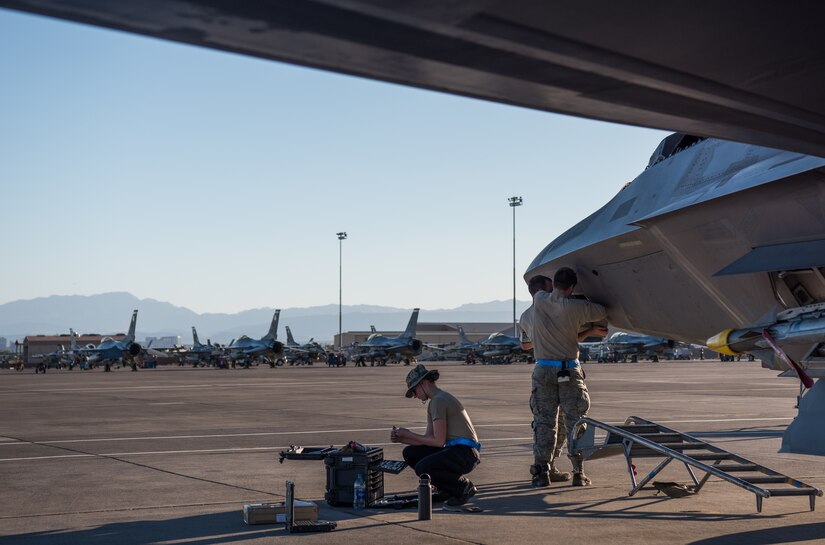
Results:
435 333
162 342
4 344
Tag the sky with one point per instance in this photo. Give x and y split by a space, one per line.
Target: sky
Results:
218 182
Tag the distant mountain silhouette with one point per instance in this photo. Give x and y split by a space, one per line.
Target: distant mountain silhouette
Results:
109 313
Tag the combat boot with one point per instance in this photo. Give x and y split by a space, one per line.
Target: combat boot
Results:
580 479
557 476
541 475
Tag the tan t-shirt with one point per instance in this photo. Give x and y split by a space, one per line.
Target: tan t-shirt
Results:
554 322
445 405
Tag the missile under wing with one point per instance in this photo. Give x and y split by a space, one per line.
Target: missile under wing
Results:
714 236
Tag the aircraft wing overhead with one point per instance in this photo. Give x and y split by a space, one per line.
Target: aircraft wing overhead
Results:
646 63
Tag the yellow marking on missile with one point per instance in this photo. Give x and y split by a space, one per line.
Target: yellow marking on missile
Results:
719 343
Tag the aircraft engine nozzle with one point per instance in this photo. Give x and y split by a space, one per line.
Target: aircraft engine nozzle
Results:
416 345
134 349
277 347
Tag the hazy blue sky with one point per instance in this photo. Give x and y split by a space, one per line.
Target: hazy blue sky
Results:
218 182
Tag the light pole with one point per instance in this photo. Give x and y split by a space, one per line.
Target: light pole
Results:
514 202
341 237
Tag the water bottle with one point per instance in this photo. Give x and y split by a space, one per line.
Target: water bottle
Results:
359 493
425 498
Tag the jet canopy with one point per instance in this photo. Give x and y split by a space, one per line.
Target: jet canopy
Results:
672 145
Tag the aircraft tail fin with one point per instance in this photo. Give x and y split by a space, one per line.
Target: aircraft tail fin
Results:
130 337
411 326
73 336
272 335
289 339
461 335
195 340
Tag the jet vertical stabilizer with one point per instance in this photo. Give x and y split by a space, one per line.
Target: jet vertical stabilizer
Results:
130 337
290 340
410 331
195 340
272 335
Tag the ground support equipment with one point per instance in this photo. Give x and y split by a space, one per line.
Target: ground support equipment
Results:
640 438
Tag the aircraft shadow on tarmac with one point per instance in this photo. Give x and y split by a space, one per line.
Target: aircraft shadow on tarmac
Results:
510 498
206 529
770 536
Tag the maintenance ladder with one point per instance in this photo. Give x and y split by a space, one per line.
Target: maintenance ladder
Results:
640 438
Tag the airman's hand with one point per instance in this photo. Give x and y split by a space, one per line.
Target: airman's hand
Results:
397 435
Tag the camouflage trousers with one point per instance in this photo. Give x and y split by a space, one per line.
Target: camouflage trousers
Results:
556 407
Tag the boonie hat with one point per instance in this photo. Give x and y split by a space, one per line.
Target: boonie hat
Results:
418 374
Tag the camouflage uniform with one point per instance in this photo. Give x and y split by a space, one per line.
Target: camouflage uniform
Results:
554 324
556 408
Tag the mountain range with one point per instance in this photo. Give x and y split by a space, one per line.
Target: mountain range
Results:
110 313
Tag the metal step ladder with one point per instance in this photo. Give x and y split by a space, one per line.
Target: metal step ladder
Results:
640 438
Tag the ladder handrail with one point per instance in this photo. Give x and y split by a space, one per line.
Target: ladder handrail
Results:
665 451
735 457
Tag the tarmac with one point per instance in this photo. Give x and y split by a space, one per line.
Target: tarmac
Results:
171 455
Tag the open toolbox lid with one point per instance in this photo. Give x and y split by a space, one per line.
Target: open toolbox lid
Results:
306 453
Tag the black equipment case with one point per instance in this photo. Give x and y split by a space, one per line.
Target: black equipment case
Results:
343 467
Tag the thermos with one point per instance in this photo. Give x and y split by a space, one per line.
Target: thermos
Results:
425 498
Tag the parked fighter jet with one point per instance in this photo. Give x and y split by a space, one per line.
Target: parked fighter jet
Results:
714 236
501 348
465 343
201 353
61 356
110 350
461 349
635 346
246 349
307 352
379 348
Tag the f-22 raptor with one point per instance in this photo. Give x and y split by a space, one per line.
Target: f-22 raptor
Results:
716 243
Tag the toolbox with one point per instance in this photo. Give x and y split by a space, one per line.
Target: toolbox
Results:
275 513
343 467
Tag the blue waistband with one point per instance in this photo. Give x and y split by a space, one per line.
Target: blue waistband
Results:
463 441
561 364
